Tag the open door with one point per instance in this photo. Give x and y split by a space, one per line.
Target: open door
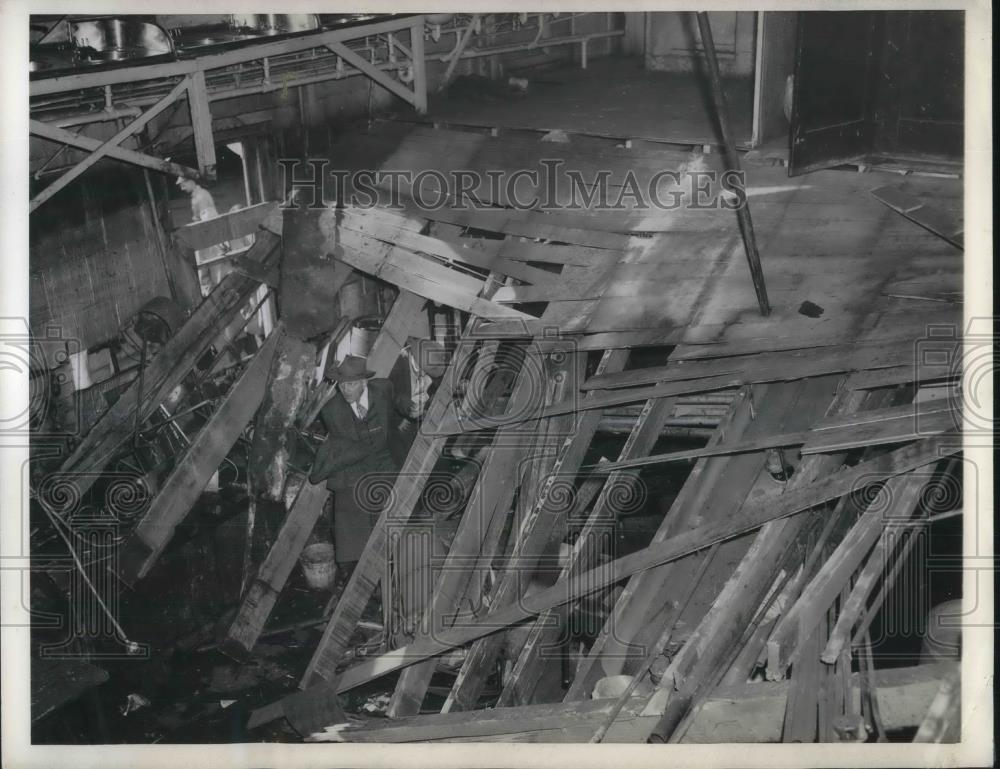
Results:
834 88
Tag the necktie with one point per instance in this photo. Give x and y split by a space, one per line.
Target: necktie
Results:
361 411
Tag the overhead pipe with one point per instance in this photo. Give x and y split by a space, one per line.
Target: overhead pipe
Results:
333 73
104 115
456 54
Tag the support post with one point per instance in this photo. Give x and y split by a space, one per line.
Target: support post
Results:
105 148
380 77
274 572
201 122
419 67
70 139
733 163
456 57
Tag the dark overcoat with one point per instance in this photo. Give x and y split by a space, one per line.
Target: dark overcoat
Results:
357 464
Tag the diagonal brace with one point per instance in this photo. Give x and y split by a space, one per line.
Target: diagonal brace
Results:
108 146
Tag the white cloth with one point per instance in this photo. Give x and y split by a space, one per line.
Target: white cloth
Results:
420 384
363 401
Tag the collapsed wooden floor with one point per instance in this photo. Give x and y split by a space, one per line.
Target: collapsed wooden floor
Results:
831 436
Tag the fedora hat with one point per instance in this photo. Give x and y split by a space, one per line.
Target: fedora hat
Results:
349 369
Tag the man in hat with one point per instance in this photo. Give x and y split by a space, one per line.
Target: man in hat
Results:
415 378
355 460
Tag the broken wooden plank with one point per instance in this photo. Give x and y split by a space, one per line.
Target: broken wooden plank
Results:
743 713
630 612
166 370
895 500
527 224
533 536
54 682
616 490
259 600
225 227
940 222
924 420
424 277
875 567
899 493
201 460
491 496
762 367
943 722
801 721
396 328
898 426
703 658
458 422
274 436
754 515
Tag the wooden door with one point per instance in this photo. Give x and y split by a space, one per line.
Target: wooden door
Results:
835 81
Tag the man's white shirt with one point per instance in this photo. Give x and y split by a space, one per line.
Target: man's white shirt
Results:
363 401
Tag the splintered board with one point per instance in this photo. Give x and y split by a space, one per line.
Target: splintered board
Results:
680 276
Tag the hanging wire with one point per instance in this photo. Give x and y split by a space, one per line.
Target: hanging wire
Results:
60 525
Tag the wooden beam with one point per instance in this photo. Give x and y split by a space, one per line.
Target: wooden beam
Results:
104 149
801 718
61 135
703 659
230 226
419 66
165 371
744 713
533 536
753 516
201 460
467 423
785 365
421 276
618 486
640 600
943 722
946 226
396 328
394 229
931 418
259 600
378 76
491 497
80 80
201 122
274 435
895 501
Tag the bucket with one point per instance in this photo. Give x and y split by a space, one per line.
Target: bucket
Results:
615 686
318 565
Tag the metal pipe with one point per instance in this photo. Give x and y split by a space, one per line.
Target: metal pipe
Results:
733 163
514 48
266 85
115 113
456 54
